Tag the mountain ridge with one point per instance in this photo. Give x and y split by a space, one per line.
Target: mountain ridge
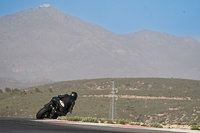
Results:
46 43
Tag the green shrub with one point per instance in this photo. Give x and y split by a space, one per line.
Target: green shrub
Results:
110 122
15 91
7 89
128 121
37 90
62 118
193 123
195 127
179 123
74 119
23 93
144 124
123 122
90 119
102 120
155 125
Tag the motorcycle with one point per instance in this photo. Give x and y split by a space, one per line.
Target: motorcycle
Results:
48 111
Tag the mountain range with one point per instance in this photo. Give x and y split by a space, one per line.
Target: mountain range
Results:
44 43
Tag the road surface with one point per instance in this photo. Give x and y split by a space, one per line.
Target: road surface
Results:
21 125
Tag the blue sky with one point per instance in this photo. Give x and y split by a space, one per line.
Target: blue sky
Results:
176 17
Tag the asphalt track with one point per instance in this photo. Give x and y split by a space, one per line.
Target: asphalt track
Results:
21 125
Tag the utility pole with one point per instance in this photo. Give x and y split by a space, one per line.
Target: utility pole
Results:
112 103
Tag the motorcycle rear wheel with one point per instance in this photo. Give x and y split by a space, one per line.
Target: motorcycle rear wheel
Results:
42 112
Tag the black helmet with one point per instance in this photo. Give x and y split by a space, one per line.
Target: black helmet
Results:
74 95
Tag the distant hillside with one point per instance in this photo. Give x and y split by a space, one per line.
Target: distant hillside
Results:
21 84
10 83
45 43
139 99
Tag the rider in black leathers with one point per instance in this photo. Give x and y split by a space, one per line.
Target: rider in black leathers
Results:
69 102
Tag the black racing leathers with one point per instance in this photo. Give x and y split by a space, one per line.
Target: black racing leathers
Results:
68 104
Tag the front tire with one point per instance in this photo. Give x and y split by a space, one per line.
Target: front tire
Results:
42 112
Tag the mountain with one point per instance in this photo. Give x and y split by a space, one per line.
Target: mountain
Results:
45 43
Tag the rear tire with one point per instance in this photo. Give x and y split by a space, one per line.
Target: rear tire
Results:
42 112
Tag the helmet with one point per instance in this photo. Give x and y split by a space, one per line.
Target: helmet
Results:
74 95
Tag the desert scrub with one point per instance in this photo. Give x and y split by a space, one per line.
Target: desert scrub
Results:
62 118
76 118
90 119
102 120
195 127
193 123
144 124
110 122
155 125
123 122
164 124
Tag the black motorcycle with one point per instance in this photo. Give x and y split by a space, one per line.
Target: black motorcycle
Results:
48 111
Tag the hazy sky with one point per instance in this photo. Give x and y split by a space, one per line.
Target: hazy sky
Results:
176 17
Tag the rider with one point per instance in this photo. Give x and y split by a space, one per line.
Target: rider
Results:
68 104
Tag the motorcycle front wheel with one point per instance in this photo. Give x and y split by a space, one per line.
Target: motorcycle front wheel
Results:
42 113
